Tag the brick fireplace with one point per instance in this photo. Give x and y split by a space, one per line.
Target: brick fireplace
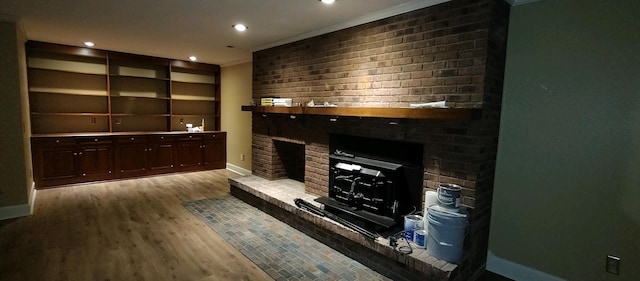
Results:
452 51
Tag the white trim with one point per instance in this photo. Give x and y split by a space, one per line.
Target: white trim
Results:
520 2
516 271
238 170
22 210
382 14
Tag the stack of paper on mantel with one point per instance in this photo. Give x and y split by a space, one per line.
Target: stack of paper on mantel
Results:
281 102
435 104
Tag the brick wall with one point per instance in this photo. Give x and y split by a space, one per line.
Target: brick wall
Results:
453 52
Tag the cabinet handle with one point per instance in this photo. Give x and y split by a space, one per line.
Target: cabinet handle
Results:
149 149
57 141
171 165
84 175
95 139
109 172
79 153
161 138
75 154
132 138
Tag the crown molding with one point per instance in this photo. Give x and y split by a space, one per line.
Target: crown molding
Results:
393 11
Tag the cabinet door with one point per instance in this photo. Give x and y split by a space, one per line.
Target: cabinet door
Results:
131 159
189 154
161 157
54 161
57 164
96 162
215 155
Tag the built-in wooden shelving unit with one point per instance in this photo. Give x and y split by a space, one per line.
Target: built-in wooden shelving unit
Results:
84 90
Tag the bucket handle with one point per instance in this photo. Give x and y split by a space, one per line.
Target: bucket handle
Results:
441 243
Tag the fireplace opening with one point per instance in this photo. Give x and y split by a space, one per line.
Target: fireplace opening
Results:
291 160
374 180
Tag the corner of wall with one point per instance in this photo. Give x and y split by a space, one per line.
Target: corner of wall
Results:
238 170
22 210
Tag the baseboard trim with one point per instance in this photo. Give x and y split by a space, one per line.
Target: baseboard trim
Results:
238 170
516 271
22 210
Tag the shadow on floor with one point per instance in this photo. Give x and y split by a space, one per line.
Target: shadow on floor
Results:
490 276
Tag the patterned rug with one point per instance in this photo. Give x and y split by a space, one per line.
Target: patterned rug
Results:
280 250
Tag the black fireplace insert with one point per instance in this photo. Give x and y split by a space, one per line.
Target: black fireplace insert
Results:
377 191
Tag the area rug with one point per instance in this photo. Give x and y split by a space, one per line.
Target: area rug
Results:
277 248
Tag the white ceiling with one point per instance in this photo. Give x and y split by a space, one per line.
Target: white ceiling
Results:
180 28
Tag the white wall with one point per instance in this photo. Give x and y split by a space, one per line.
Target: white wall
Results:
236 92
568 167
16 178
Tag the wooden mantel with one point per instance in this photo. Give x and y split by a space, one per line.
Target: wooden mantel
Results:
453 114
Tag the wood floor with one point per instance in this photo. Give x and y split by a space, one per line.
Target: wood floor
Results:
122 230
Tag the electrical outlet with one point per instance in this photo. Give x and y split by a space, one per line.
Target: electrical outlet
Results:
241 157
613 265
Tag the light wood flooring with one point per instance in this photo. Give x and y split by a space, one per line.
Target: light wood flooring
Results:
123 230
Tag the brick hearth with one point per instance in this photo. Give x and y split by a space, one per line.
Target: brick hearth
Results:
275 197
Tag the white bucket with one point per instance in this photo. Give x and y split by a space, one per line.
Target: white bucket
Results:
411 222
445 235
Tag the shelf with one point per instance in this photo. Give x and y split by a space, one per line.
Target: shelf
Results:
137 77
133 96
71 114
140 114
75 67
68 92
192 115
191 98
188 78
454 114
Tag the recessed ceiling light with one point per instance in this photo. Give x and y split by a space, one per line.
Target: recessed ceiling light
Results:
89 44
328 1
193 58
240 27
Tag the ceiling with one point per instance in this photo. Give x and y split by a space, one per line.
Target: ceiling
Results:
181 28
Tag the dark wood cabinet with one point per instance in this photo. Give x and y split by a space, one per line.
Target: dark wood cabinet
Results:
96 162
73 159
189 152
131 156
214 150
161 154
54 161
66 160
145 155
206 150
